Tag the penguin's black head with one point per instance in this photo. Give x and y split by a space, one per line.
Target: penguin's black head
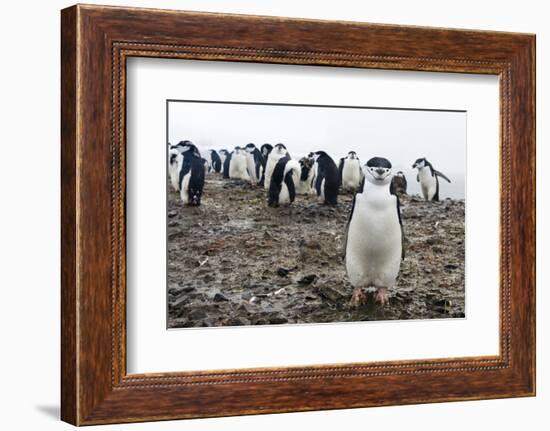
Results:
223 152
188 147
352 155
279 148
266 149
419 163
399 174
378 170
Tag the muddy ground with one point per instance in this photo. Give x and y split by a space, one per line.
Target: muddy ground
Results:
234 261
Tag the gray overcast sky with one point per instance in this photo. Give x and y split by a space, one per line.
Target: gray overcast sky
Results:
399 135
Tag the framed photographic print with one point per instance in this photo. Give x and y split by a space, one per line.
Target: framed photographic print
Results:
317 215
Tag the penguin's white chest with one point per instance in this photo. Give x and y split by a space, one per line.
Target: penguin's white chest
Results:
237 167
373 252
428 183
351 174
251 166
173 170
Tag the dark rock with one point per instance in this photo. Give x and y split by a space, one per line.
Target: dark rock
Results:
219 297
451 266
307 279
282 272
196 314
331 294
278 320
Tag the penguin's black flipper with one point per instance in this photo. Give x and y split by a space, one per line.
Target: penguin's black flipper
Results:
417 178
341 167
400 222
440 174
347 228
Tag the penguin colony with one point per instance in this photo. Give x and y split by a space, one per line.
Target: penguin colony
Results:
373 241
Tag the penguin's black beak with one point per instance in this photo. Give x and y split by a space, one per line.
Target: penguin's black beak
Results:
380 171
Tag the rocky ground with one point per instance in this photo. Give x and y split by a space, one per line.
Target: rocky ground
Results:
234 261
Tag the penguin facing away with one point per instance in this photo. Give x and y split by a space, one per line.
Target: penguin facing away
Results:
373 242
191 174
326 178
215 161
428 178
398 185
282 189
254 162
350 171
279 151
237 165
226 159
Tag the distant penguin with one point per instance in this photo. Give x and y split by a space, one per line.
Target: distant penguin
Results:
350 172
215 161
428 178
278 152
254 163
206 165
326 178
226 158
237 165
191 174
306 175
398 185
374 236
265 149
282 189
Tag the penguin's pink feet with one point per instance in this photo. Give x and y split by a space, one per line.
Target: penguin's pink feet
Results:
358 298
381 297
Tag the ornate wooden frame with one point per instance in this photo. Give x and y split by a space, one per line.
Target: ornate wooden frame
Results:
95 43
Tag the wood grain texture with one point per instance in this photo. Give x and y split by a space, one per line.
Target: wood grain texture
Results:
96 41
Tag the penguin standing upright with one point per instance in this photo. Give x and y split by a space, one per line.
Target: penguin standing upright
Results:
226 158
282 188
265 149
303 186
350 172
191 174
374 237
173 153
398 184
428 178
215 161
237 165
278 152
254 163
326 178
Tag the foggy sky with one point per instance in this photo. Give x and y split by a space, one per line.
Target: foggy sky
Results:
401 136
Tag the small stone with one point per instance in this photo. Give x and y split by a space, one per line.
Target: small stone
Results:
278 320
218 297
308 279
197 314
282 272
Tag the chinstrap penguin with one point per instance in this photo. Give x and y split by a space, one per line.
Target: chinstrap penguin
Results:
279 151
428 178
374 237
237 165
350 172
326 178
282 189
254 162
191 174
398 184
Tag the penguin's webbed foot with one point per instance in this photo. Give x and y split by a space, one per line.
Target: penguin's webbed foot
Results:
381 296
358 298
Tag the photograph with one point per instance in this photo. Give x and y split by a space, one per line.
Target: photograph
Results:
304 214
